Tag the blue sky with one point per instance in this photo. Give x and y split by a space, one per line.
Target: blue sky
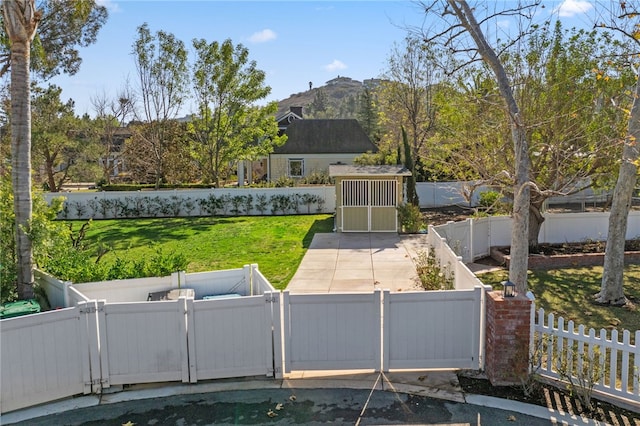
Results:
293 42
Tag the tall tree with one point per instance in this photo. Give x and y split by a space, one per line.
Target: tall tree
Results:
229 127
368 113
161 64
624 20
69 24
65 25
571 119
460 24
112 115
58 140
407 97
21 21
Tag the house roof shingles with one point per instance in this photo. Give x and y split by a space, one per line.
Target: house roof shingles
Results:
330 136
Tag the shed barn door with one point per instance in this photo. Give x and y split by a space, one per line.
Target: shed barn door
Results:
369 205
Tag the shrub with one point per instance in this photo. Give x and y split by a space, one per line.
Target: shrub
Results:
432 276
491 203
410 217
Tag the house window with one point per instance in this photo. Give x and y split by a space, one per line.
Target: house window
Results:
296 167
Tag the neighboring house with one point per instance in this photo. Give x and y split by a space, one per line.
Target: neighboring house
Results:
313 145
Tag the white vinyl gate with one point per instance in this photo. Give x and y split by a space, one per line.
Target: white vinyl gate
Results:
369 205
383 330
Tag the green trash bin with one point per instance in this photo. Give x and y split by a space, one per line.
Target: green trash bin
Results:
19 308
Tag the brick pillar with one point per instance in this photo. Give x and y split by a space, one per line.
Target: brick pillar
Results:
507 338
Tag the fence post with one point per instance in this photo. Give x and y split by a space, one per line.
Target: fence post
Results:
178 279
472 256
190 336
378 314
273 306
507 338
386 303
103 350
286 304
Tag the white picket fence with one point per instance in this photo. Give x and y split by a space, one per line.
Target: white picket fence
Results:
456 243
601 358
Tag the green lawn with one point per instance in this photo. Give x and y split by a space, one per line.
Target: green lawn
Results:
276 243
569 293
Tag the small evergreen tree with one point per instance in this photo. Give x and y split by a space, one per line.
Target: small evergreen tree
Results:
412 196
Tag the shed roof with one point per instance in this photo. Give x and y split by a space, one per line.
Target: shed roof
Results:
326 136
345 170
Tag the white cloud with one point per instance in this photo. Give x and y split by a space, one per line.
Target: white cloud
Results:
111 6
336 65
570 8
504 24
263 36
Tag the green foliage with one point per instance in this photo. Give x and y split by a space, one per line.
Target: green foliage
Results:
284 182
432 275
65 26
62 146
491 203
229 126
316 178
46 235
410 217
7 244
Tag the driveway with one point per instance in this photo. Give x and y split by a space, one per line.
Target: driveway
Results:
359 262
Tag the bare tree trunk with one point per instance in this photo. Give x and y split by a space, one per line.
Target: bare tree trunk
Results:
536 219
611 288
21 20
522 192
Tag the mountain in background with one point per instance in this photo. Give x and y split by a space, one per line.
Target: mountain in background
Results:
338 98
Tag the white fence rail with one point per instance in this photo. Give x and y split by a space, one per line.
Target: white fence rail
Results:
610 364
473 238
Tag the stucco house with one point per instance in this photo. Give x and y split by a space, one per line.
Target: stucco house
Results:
313 145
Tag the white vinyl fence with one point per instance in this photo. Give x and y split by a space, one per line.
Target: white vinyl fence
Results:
44 357
101 344
196 202
235 337
111 335
473 238
602 358
433 329
332 331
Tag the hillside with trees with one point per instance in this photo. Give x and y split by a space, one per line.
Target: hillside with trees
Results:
338 98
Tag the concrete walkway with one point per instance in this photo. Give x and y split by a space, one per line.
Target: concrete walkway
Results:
362 262
359 262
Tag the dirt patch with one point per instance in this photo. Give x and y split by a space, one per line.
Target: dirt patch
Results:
441 215
548 396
